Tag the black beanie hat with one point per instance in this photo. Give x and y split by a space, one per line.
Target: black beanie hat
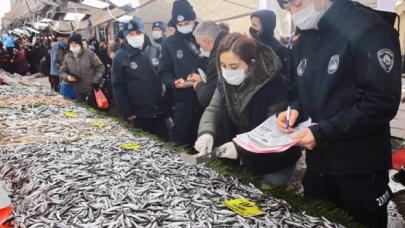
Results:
159 24
77 38
182 11
120 35
171 23
282 2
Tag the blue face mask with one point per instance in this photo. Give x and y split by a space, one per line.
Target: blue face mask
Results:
63 44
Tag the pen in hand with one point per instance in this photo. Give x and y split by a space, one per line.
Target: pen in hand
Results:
287 120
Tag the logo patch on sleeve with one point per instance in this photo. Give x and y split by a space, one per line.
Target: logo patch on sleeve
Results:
301 67
333 64
386 59
133 65
179 54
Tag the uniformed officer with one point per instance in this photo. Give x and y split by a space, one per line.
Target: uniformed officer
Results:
347 74
158 31
181 58
136 85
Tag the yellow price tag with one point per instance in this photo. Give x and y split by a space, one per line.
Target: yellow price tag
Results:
70 114
243 207
130 146
97 124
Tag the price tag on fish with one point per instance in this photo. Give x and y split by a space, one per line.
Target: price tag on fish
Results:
97 124
243 207
130 146
70 114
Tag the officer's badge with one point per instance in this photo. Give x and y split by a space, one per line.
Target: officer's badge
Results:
333 64
180 18
386 59
157 24
133 65
179 54
301 67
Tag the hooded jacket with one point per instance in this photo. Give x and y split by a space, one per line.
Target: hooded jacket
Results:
266 36
88 69
241 109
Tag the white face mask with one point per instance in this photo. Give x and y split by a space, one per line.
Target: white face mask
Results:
136 41
308 17
76 50
234 77
205 53
157 35
185 29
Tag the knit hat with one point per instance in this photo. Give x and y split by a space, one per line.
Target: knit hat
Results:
120 35
134 25
159 24
77 38
171 23
282 2
182 11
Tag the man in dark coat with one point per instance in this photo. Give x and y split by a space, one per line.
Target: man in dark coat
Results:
136 86
208 35
347 72
181 58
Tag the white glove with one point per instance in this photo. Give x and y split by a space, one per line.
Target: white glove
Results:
204 144
228 150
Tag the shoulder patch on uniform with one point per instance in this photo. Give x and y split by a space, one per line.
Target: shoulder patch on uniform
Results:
301 67
133 65
386 59
333 64
179 54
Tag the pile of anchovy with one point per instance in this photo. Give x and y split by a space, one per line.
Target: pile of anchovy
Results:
92 182
27 124
97 184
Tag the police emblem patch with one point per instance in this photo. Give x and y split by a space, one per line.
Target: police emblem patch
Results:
179 54
180 18
333 64
301 67
133 65
157 24
386 59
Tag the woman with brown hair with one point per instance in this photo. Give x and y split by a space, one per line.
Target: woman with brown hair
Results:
250 90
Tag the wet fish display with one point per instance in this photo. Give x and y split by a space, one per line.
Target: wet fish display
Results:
65 167
94 183
29 124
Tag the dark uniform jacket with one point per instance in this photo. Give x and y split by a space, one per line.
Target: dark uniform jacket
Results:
205 91
136 86
347 76
179 59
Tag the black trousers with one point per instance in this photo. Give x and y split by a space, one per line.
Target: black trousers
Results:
54 81
157 126
365 197
186 127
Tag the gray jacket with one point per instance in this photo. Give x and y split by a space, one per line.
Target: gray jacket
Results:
88 69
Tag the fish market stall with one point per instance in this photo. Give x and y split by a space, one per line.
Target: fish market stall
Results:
66 167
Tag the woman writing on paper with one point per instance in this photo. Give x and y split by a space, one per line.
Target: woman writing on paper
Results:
250 90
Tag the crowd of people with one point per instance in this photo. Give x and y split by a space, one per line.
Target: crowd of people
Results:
197 84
